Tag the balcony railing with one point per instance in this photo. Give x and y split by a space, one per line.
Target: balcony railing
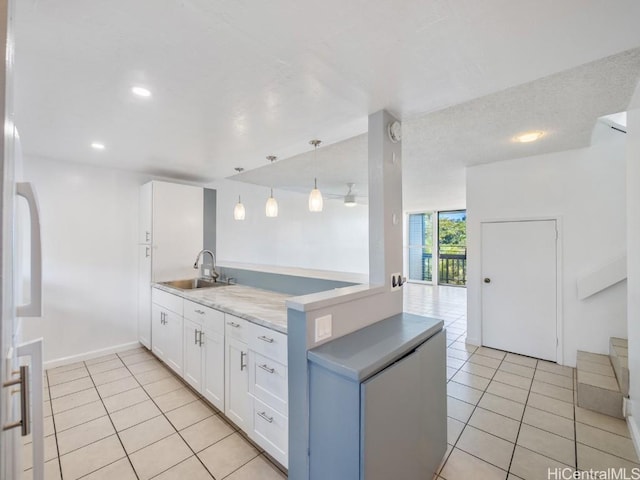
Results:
452 268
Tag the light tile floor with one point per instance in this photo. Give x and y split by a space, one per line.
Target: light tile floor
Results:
126 416
511 416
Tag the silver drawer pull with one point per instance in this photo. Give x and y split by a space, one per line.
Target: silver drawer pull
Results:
233 324
266 368
266 417
242 364
201 312
265 339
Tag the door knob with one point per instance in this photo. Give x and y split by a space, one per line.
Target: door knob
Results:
487 280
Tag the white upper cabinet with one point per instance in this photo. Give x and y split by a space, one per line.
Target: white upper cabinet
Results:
146 214
174 228
144 295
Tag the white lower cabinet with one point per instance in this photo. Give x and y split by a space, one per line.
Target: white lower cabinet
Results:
271 431
268 389
213 377
238 366
236 392
158 332
204 352
193 354
167 337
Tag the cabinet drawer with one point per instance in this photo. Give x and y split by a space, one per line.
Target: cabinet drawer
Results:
268 342
271 431
167 300
268 382
236 327
212 320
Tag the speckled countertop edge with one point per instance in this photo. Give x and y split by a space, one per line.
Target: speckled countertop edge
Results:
258 306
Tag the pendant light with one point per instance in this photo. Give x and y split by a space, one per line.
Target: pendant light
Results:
315 197
350 198
271 207
238 210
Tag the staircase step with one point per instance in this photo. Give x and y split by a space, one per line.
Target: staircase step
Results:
598 388
619 356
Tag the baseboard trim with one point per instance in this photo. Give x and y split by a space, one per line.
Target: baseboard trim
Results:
635 433
59 362
473 341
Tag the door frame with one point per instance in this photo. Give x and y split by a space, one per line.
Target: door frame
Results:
434 247
559 280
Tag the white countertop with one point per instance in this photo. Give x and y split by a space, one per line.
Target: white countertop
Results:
258 306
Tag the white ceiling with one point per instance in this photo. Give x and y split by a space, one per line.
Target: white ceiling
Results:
236 80
436 147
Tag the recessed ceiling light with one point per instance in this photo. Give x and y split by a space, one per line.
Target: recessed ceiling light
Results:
97 146
141 91
529 136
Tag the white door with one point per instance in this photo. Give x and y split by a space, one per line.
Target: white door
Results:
159 332
237 383
192 355
178 230
144 295
213 368
519 289
173 324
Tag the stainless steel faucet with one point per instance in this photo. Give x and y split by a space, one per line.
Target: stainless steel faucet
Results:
213 275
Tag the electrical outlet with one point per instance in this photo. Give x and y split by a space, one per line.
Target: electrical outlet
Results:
323 327
396 281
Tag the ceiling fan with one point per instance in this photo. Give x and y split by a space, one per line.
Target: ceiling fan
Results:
350 198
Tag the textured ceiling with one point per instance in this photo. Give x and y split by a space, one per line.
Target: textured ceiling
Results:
236 80
436 147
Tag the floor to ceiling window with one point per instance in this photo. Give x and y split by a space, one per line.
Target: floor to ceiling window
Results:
437 247
452 247
421 247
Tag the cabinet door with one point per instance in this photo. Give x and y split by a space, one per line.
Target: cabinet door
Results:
158 332
213 368
174 336
192 355
144 224
144 295
178 232
236 404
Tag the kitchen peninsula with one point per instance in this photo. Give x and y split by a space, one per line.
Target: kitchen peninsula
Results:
229 343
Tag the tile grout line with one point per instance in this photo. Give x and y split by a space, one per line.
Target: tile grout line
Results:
55 431
200 397
115 430
173 426
475 407
524 410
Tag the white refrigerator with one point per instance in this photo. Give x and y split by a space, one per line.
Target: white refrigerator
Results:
21 388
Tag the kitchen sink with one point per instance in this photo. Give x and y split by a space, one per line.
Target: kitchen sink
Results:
193 283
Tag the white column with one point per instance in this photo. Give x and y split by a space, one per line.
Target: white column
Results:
385 205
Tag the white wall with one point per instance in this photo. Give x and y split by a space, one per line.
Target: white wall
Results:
335 239
89 220
586 188
633 259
